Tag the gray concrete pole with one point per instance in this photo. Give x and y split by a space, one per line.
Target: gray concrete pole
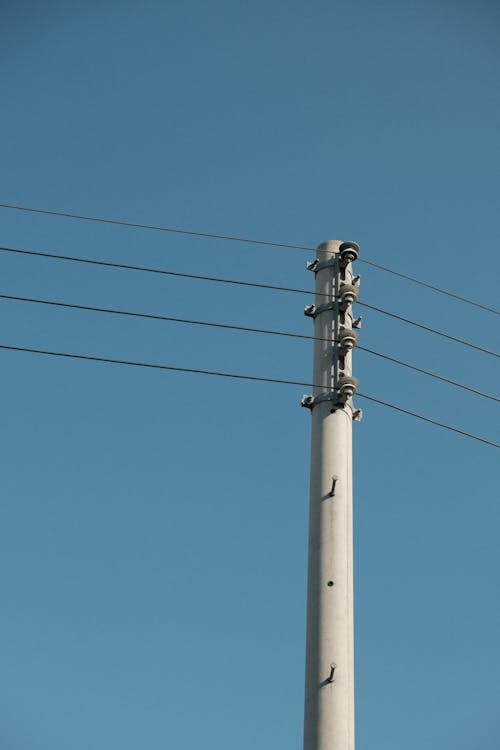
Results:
329 692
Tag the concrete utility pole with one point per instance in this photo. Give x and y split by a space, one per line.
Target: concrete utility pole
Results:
329 693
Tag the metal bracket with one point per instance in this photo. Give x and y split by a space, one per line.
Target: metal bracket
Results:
357 323
308 402
318 265
325 396
334 482
311 264
312 311
330 677
324 307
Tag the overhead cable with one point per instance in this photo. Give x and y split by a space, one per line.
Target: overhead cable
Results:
428 286
248 240
151 316
161 271
237 376
427 419
228 326
429 329
430 374
216 279
135 225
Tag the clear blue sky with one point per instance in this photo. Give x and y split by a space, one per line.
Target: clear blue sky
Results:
153 527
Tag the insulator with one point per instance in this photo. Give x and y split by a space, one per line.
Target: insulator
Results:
348 253
347 339
347 387
348 295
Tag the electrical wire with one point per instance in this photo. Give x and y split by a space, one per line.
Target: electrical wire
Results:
161 271
216 279
429 329
288 334
152 316
429 286
153 366
174 230
427 419
237 376
428 373
247 240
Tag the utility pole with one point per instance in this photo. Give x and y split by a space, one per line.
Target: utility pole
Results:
329 691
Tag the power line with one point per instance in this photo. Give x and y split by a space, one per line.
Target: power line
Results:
428 373
427 419
216 279
161 271
247 240
237 376
288 334
153 366
174 230
429 329
152 316
429 286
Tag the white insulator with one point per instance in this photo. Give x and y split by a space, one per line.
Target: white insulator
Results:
347 339
347 387
348 253
348 295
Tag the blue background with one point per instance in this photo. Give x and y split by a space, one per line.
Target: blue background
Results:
153 526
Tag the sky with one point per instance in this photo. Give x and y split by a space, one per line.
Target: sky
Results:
153 526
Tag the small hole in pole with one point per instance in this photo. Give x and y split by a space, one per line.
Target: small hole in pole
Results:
330 583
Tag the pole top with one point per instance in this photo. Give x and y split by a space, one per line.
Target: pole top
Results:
329 247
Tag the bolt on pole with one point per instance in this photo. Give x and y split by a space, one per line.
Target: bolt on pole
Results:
329 690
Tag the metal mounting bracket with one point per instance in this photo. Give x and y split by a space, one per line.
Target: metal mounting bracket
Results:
324 307
334 482
312 311
318 265
311 264
309 402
